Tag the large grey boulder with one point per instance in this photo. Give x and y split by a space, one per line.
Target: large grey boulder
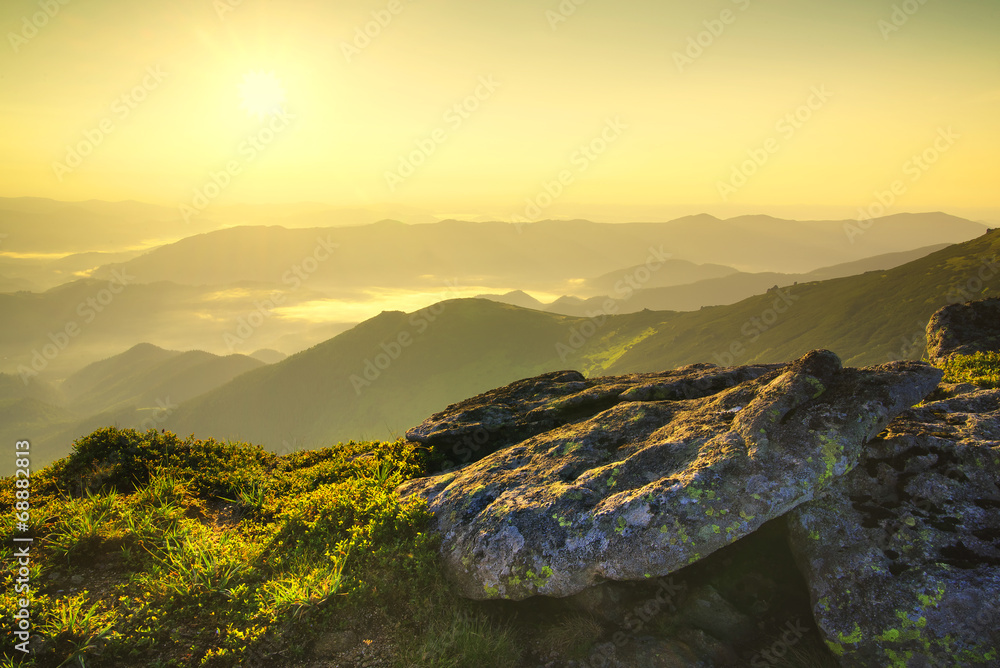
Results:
651 484
964 329
902 556
474 428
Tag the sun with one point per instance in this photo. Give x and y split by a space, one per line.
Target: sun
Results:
262 94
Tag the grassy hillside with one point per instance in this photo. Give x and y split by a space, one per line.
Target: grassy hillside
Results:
682 286
138 388
210 554
476 345
146 374
866 319
353 387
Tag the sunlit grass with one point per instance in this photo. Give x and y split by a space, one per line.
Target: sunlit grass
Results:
981 369
220 552
158 551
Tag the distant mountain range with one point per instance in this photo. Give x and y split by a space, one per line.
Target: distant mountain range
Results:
550 255
167 314
301 286
138 388
865 296
723 285
387 374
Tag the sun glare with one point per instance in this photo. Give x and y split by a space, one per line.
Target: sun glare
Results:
262 94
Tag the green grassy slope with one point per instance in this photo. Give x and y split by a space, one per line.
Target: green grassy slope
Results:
455 350
866 319
322 394
146 374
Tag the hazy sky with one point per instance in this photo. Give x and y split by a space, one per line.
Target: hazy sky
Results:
162 95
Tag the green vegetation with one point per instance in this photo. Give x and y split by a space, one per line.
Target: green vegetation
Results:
866 319
982 369
152 550
158 551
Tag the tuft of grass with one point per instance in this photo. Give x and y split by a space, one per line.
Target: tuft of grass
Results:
464 641
573 636
307 587
980 369
81 526
78 627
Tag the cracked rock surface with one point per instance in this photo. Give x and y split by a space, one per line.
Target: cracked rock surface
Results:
642 482
902 556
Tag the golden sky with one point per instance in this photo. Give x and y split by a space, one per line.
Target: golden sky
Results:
506 108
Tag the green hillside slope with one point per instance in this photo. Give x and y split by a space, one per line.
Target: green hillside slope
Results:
145 374
323 395
381 377
866 319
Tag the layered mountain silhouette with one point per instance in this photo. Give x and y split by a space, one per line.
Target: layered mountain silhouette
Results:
544 255
378 379
785 287
138 388
663 293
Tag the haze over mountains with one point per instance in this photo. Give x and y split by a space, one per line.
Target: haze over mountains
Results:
239 289
667 291
548 254
365 384
695 289
137 388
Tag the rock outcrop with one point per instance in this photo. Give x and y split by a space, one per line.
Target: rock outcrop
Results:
964 329
474 428
902 556
634 477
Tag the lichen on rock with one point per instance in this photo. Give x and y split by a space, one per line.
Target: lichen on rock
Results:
642 486
902 556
